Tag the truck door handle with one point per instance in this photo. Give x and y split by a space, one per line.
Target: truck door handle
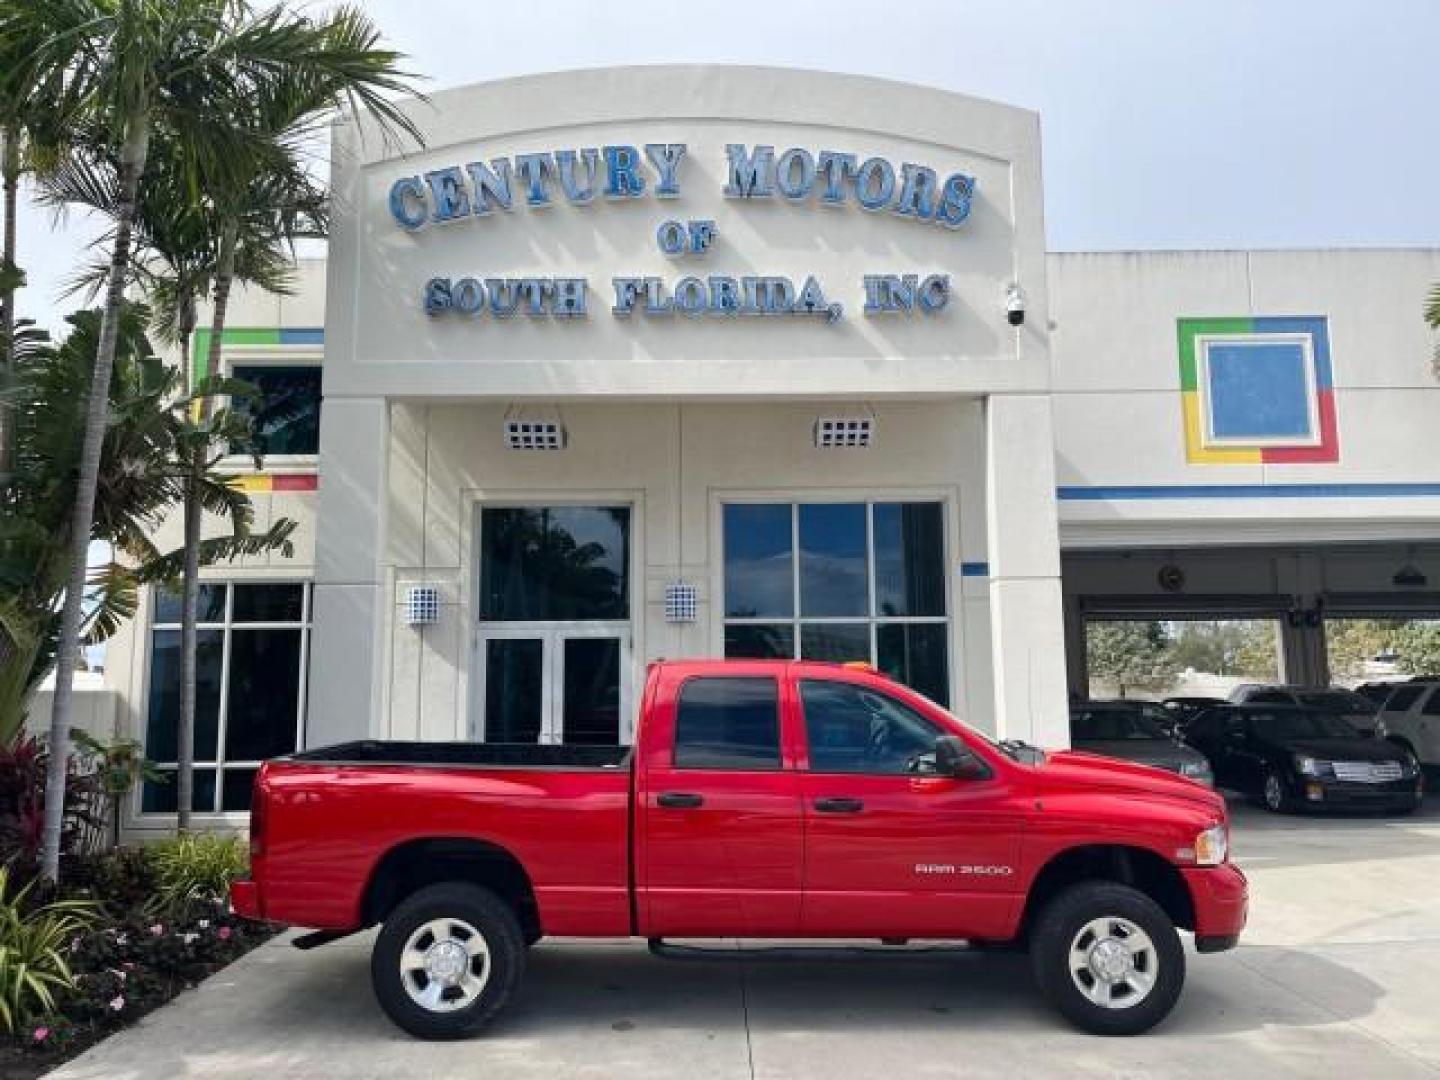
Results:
679 800
839 805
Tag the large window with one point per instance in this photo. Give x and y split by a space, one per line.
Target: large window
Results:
554 563
728 723
286 406
840 581
251 657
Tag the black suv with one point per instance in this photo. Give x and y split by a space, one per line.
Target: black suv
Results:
1293 758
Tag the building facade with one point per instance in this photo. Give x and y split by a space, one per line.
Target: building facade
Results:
701 361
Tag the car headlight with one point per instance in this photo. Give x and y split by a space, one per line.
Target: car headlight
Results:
1212 845
1309 766
1194 768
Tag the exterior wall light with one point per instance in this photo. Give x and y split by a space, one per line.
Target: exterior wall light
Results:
682 603
422 605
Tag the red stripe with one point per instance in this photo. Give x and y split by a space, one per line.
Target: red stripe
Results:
1327 451
304 482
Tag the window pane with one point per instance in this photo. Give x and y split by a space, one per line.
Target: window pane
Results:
759 567
554 563
592 691
840 642
165 693
237 785
854 729
833 560
514 692
915 654
770 642
211 607
269 603
909 559
264 694
728 724
159 798
286 407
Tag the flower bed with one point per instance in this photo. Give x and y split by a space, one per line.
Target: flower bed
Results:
155 925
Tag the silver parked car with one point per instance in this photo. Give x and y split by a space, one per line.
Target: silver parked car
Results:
1138 731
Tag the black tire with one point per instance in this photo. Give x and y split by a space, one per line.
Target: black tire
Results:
1062 921
502 968
1273 795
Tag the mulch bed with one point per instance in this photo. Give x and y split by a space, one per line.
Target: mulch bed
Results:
132 961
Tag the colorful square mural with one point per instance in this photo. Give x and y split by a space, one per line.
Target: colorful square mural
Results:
1257 391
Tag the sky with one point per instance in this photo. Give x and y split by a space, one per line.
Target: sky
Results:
1165 123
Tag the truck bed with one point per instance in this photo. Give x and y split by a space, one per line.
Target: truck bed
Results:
376 752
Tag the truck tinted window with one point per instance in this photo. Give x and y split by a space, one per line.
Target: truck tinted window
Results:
728 723
853 729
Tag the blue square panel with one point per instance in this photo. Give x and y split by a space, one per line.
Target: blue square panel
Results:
1258 389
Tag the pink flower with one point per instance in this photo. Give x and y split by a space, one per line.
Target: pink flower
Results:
157 929
41 1034
117 1002
224 933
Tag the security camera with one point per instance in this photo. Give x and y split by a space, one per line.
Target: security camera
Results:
1014 305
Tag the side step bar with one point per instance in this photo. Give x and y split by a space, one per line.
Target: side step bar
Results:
665 950
316 938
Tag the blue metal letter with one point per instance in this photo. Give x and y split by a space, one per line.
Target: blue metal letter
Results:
565 165
702 235
437 296
934 293
835 167
671 237
751 176
622 168
532 169
447 192
917 193
666 159
504 298
724 295
408 188
791 185
492 188
569 298
469 296
627 292
875 198
534 290
690 295
955 200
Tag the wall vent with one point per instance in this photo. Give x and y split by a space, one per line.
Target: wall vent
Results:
534 435
835 432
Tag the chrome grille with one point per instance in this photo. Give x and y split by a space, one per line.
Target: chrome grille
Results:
1367 772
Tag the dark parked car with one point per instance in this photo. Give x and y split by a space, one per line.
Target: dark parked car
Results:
1294 758
1361 711
1184 709
1135 731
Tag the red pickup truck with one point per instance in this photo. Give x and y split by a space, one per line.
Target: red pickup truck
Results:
762 799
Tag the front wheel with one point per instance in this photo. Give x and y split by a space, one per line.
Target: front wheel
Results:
447 960
1108 958
1273 794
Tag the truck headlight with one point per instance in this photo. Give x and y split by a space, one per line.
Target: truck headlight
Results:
1212 846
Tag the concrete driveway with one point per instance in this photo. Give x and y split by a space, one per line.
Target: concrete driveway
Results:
1339 975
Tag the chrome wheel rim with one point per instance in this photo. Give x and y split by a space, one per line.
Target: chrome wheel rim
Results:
1274 793
445 965
1113 963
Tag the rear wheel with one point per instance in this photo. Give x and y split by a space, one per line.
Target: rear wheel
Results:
447 960
1108 958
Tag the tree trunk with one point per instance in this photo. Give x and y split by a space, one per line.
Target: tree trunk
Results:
189 612
10 169
132 163
189 616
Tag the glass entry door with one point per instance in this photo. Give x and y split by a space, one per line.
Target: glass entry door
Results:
554 684
553 642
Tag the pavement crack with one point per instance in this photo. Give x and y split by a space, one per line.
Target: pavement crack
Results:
745 1011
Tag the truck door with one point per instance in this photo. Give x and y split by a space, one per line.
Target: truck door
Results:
892 851
718 819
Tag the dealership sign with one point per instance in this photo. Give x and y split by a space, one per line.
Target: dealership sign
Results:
474 191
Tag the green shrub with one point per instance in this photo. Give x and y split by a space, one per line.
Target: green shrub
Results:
33 943
193 869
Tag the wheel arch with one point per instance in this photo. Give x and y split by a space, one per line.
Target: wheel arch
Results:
416 863
1138 867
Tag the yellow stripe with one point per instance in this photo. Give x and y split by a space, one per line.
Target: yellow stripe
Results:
251 483
1196 453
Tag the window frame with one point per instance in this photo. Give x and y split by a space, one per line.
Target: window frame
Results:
945 499
227 625
277 356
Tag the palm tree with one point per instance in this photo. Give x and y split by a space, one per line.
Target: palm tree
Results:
179 66
1432 316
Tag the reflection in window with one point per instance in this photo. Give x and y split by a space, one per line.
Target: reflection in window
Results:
853 729
728 723
286 407
869 585
555 563
256 656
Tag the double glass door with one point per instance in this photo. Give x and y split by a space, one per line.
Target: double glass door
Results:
553 644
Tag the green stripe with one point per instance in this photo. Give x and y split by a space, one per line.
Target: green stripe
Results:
1189 329
232 335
